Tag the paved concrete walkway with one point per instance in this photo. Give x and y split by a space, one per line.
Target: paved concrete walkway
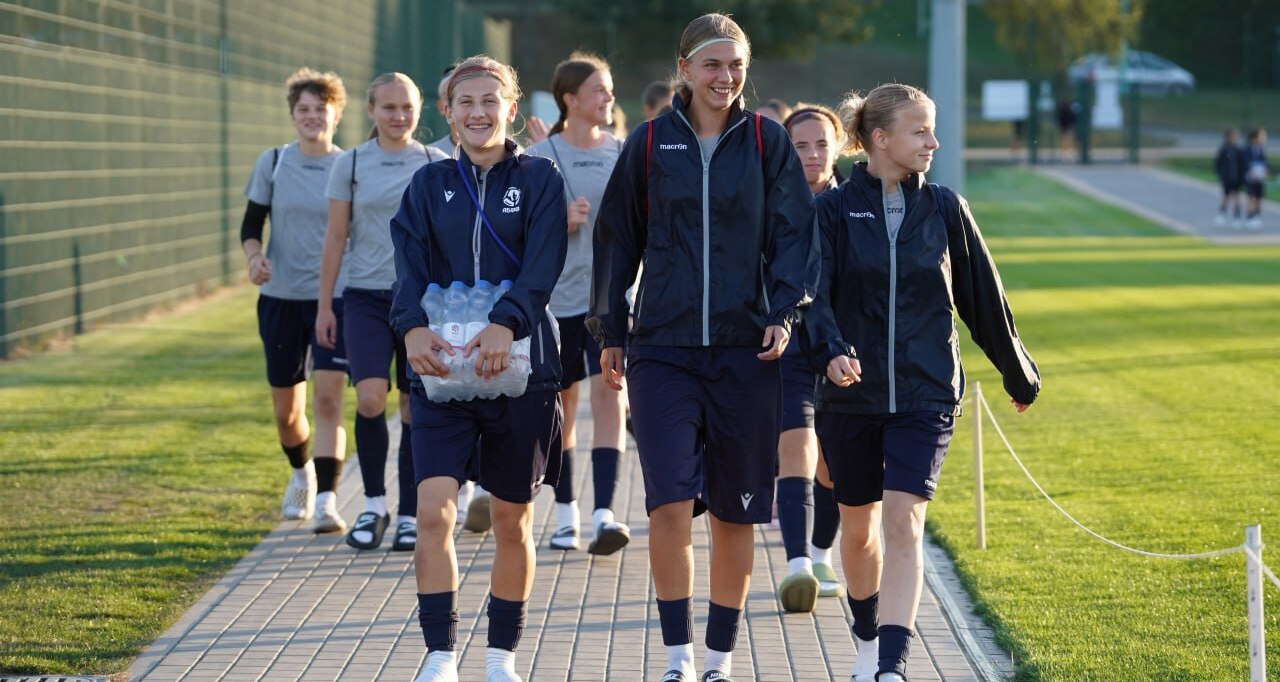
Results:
1177 202
308 607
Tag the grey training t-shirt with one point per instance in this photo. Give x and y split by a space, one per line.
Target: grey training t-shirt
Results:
445 144
586 172
894 210
380 179
294 189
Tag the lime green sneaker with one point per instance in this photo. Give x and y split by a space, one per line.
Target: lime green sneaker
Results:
798 593
829 584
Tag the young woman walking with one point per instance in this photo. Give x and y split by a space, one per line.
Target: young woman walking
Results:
712 199
818 137
898 255
288 184
364 192
585 155
489 214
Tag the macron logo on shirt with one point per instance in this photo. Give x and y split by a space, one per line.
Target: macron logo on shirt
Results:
448 196
677 146
861 214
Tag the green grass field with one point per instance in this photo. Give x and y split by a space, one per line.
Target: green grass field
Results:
138 466
141 463
1155 427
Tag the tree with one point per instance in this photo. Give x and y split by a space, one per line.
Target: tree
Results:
1046 35
782 28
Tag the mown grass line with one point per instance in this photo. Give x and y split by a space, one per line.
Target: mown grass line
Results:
139 465
1155 427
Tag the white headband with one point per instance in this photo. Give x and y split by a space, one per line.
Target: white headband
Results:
707 42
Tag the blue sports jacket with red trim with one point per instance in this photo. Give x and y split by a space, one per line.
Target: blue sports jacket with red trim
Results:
728 247
440 237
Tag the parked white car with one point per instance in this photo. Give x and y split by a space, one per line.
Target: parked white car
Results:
1151 73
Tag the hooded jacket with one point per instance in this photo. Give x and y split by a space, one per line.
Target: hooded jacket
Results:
440 237
728 246
893 301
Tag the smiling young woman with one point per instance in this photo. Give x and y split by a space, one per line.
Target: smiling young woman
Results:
489 214
585 155
713 200
288 184
364 192
897 255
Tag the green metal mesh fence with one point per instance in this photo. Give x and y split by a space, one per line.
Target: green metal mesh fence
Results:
128 129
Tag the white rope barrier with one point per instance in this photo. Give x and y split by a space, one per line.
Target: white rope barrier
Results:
1265 569
1113 543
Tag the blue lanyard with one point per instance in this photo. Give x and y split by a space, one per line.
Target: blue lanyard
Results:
475 201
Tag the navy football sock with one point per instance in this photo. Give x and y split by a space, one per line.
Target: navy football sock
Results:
298 454
564 487
604 474
438 616
795 514
866 616
895 646
826 517
676 617
506 623
408 491
371 448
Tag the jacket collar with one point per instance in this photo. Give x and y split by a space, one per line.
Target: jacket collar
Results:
871 185
510 145
737 108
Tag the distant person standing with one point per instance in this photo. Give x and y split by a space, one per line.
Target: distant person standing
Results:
656 99
1068 115
775 109
288 184
364 192
1255 176
1229 166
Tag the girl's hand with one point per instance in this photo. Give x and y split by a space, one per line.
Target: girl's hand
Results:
494 346
611 365
1019 406
420 346
537 129
844 371
775 339
259 269
326 328
579 209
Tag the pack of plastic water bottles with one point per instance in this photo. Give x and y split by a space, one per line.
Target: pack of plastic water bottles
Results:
458 313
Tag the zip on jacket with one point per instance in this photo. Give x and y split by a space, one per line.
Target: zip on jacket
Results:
701 226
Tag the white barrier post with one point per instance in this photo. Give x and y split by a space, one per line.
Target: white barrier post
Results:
978 495
1257 630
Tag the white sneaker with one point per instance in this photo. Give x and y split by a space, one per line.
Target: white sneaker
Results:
1254 224
868 662
439 671
300 498
1220 220
610 537
891 677
501 675
565 538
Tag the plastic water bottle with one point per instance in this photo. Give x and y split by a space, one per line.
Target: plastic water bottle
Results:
479 303
455 315
433 306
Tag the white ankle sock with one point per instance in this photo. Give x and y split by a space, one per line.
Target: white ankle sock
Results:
439 666
377 505
500 660
326 501
306 473
465 491
719 660
567 514
820 555
401 518
800 564
601 516
680 657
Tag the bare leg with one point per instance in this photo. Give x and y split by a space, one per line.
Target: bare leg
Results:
434 561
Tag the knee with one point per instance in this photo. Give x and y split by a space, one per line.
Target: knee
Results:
371 403
435 523
902 531
862 536
511 523
329 407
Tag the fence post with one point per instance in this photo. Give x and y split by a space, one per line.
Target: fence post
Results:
1257 629
978 495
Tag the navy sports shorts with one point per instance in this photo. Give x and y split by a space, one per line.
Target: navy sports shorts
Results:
868 454
288 331
799 386
517 438
579 352
370 338
1231 186
1254 190
706 426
